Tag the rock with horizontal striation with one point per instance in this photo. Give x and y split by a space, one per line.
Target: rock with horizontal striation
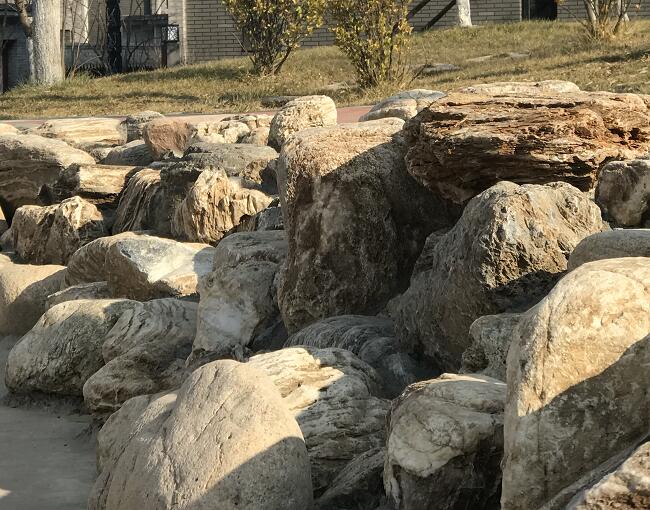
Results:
83 133
142 205
522 87
135 153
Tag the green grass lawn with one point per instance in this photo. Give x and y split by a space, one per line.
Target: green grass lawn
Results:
557 51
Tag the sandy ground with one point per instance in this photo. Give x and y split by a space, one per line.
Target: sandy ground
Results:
47 458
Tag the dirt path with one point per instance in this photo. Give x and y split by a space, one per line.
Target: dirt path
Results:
47 460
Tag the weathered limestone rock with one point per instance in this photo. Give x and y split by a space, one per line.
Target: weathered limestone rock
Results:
628 487
164 136
465 143
135 153
145 353
52 234
63 349
373 340
404 105
504 254
333 395
359 485
97 184
226 441
354 218
491 336
267 219
522 87
301 113
27 162
8 129
577 381
214 206
95 290
445 443
142 205
23 293
623 192
237 304
234 129
85 133
613 244
134 124
148 267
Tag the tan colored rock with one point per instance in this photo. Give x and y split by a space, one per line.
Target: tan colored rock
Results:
8 129
465 143
526 234
135 153
301 113
223 131
164 136
142 205
87 132
623 192
51 235
23 294
95 290
445 441
214 206
27 162
522 87
226 441
355 220
577 381
404 105
613 244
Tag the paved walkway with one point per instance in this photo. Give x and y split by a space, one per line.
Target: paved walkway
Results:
47 461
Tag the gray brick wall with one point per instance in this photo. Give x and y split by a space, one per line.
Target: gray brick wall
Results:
18 64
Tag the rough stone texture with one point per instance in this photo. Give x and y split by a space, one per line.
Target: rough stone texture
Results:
445 442
214 206
623 192
64 348
148 267
145 353
359 485
88 132
226 441
95 290
628 487
237 303
301 113
142 205
577 380
354 218
465 143
134 124
373 340
235 129
333 395
27 162
8 129
491 336
98 184
268 219
23 293
51 235
504 254
522 87
135 153
165 136
404 105
611 245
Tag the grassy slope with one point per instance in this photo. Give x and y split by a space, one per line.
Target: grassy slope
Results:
557 51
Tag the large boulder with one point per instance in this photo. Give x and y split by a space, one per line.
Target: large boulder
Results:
404 105
27 162
23 294
237 306
8 129
166 136
445 443
142 205
94 290
52 234
235 129
301 113
522 87
214 206
373 339
145 353
623 192
64 348
613 244
577 381
134 124
135 153
336 399
504 254
83 133
464 143
224 440
354 218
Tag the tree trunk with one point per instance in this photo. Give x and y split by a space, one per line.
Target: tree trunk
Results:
46 31
464 13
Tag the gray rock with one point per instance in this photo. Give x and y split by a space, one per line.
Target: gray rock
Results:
135 153
83 133
142 205
404 105
623 192
614 244
267 219
95 290
134 124
299 114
